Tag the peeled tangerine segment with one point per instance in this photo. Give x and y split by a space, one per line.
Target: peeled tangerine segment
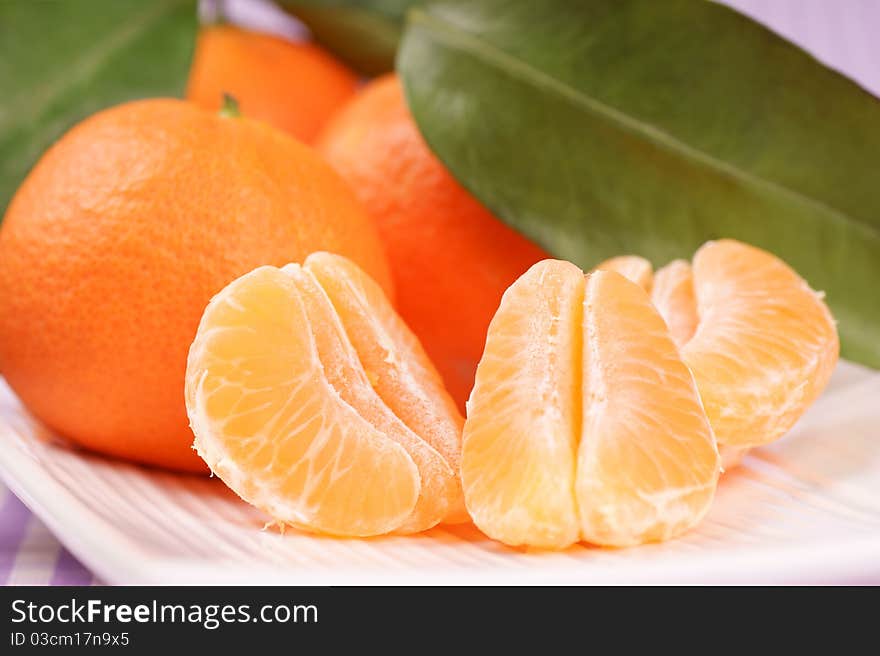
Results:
395 362
671 289
346 374
520 438
284 411
268 422
673 296
632 267
647 461
584 423
765 346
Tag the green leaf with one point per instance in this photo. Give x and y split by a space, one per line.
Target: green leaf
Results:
62 61
612 126
362 33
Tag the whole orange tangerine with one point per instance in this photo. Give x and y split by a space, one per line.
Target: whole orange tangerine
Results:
117 240
295 86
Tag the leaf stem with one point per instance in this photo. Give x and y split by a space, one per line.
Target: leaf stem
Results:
230 108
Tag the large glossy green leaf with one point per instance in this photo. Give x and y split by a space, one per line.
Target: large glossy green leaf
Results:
610 126
364 33
61 61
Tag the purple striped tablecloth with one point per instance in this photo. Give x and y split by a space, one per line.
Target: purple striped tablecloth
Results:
841 34
29 553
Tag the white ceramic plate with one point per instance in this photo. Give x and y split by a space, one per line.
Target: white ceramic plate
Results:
805 509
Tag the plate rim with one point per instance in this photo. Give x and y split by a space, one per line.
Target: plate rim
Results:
837 560
116 557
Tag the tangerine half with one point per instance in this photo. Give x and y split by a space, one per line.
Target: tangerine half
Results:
296 417
584 423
